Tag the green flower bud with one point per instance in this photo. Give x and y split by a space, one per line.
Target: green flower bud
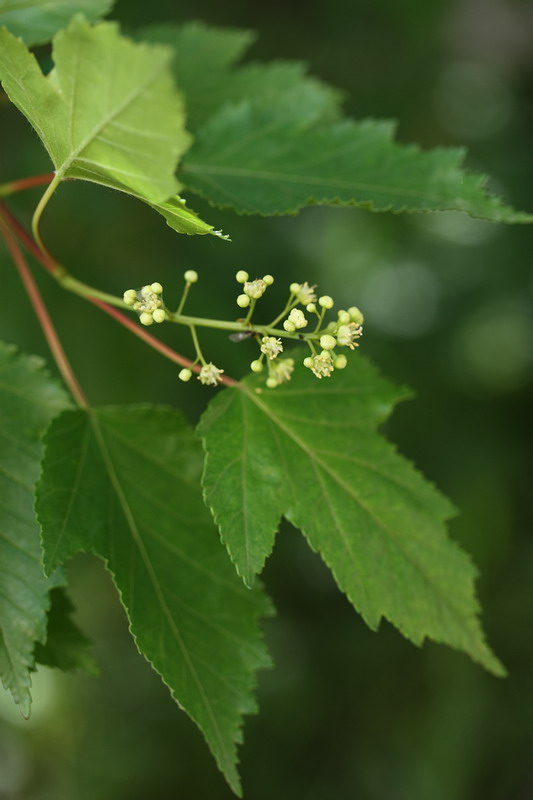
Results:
340 362
156 288
159 315
191 276
326 301
146 318
241 276
289 326
130 297
356 315
311 307
271 383
243 301
343 317
268 279
146 289
308 362
295 288
185 375
327 342
256 366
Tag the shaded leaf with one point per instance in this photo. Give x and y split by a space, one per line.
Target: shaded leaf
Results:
107 113
29 399
36 21
66 647
309 451
206 71
124 484
261 159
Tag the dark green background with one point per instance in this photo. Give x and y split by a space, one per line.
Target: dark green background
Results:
345 714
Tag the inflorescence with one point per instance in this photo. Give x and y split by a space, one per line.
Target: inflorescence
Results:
302 308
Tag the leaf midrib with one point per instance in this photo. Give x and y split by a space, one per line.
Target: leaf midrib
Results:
129 100
137 538
350 492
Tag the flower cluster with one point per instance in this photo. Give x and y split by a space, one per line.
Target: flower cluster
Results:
323 338
148 302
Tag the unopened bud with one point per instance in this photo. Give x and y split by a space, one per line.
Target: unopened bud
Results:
326 301
243 301
191 276
185 375
268 279
327 342
289 326
156 288
241 276
146 318
340 362
256 366
159 315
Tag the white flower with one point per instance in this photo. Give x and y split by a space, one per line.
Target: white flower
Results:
297 318
255 289
347 334
322 365
271 346
209 375
148 300
280 372
306 294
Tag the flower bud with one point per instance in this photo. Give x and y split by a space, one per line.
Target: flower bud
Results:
159 315
256 366
308 362
185 375
289 326
241 276
356 315
130 297
294 288
327 342
343 317
326 301
191 276
146 318
243 301
311 307
156 288
268 279
271 383
340 362
297 317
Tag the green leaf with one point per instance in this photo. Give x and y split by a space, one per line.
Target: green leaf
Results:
183 219
261 159
124 484
206 72
29 399
107 113
310 451
66 646
36 21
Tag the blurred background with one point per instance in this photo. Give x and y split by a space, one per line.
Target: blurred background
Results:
345 713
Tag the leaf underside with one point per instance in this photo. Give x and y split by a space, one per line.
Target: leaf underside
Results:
310 451
107 113
124 484
29 399
36 21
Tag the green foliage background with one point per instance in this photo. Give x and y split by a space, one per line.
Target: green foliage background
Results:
345 713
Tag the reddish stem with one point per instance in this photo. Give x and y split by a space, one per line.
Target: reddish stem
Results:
44 318
52 266
28 183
